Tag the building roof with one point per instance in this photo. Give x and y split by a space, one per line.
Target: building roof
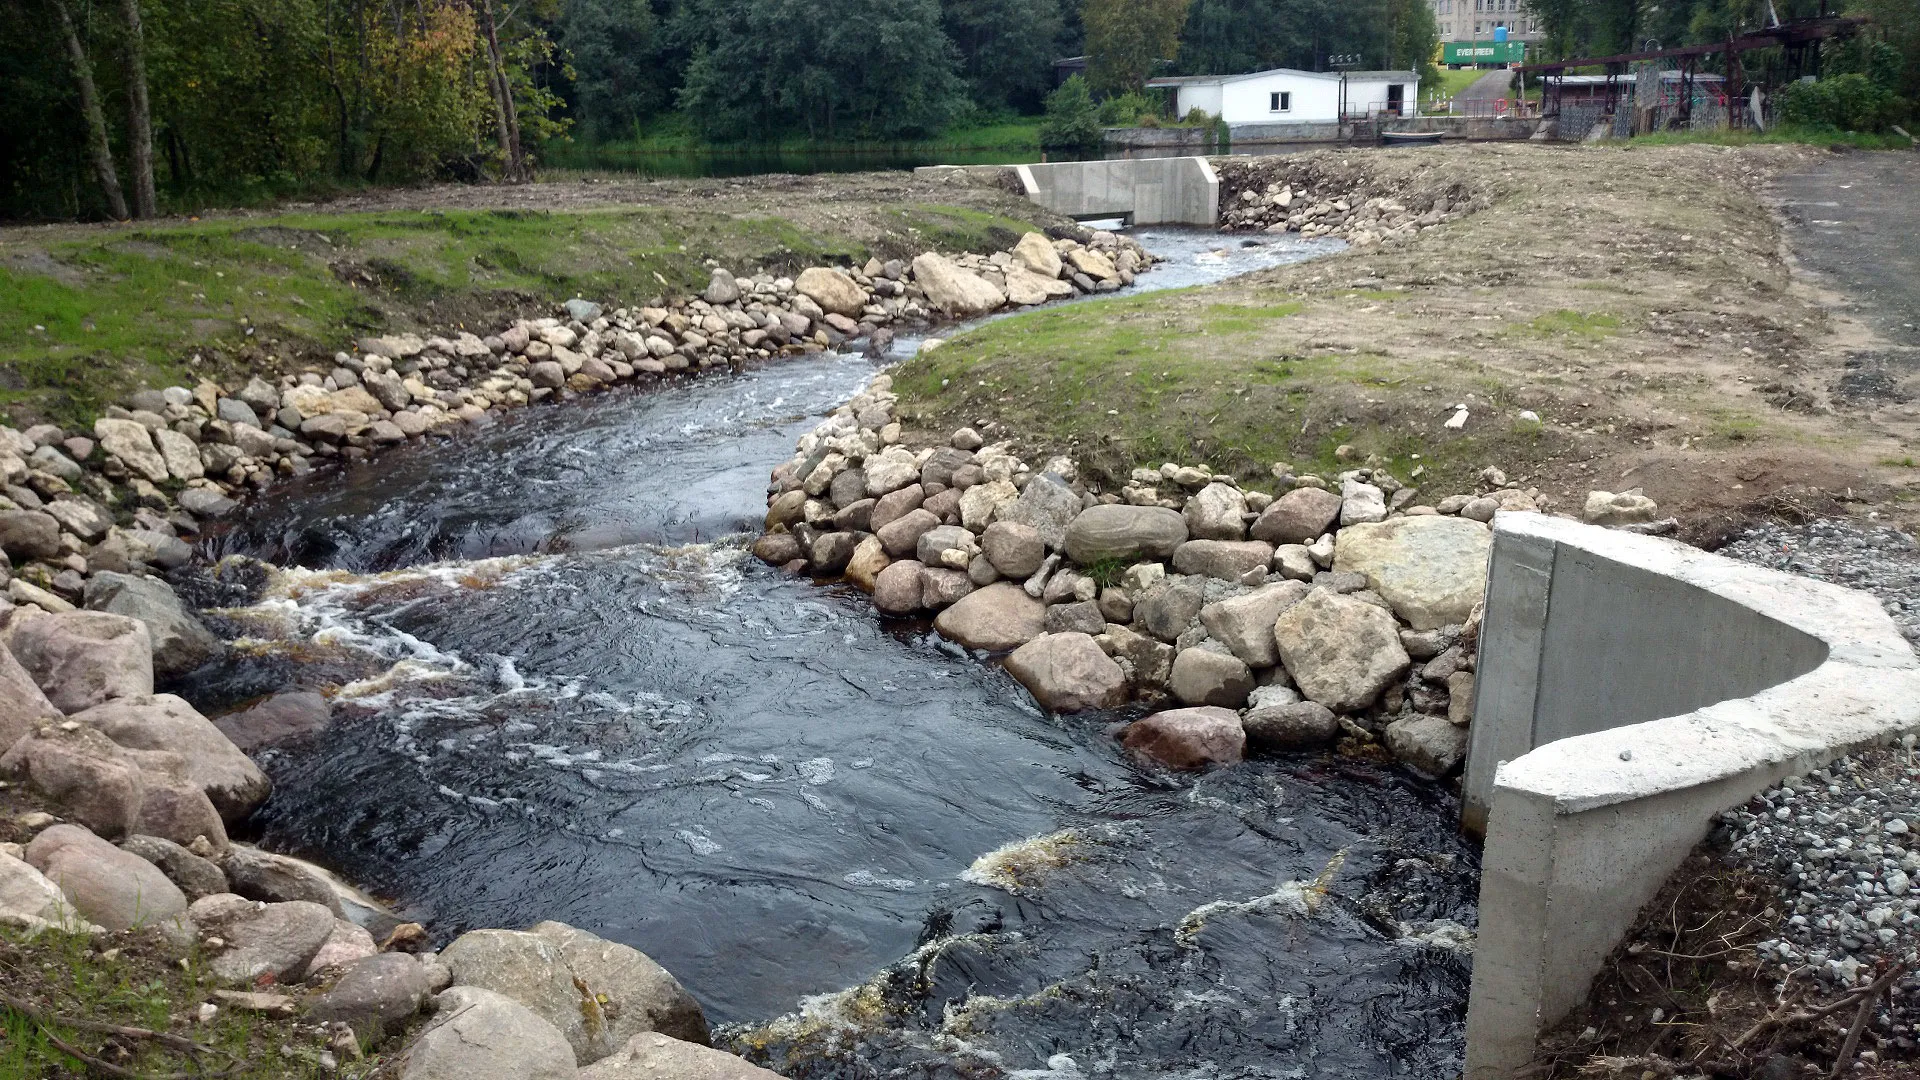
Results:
1626 79
1203 80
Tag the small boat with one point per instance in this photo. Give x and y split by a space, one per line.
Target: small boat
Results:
1409 138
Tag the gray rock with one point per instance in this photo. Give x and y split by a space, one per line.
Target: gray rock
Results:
180 642
1015 549
22 705
895 505
721 289
260 395
897 590
29 534
1341 651
1301 725
477 1034
933 544
1244 624
1217 512
583 311
82 658
942 586
235 411
1432 569
1227 560
942 463
132 443
832 551
1068 673
1048 506
1082 617
998 617
262 941
902 537
530 969
206 503
1625 508
83 773
110 887
1298 517
233 783
635 994
1167 609
1123 532
196 877
1428 743
1187 738
82 517
1202 676
265 876
27 897
1361 503
655 1056
375 995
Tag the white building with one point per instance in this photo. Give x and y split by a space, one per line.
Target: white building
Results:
1476 20
1287 96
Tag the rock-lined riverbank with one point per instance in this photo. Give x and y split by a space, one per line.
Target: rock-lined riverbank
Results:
1271 619
118 497
1320 195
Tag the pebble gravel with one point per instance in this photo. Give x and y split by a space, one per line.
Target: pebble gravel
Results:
1843 843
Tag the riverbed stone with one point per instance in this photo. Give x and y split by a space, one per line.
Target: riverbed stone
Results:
655 1056
194 876
132 443
933 545
980 503
266 876
180 642
833 290
477 1034
895 505
634 993
1430 744
233 783
80 516
263 942
206 503
1298 725
1187 738
180 454
1361 503
531 970
999 617
1216 512
1125 533
890 471
375 995
83 773
953 289
1244 623
868 559
940 586
897 590
1301 516
721 287
1166 610
28 899
1047 505
29 534
1227 560
1036 253
347 943
1340 650
1202 676
109 887
832 551
902 536
1432 569
22 704
282 718
1068 673
1080 617
1015 549
82 658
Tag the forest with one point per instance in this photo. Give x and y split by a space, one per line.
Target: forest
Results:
128 108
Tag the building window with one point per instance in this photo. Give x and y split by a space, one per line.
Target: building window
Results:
1280 101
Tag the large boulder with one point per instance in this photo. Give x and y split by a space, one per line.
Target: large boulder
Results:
82 658
1202 676
375 995
897 588
1167 609
1431 744
1035 252
233 783
834 291
956 291
1068 673
110 887
1244 624
1014 549
1124 532
180 642
477 1034
654 1056
22 705
281 718
1341 651
1432 568
635 994
1046 505
1217 512
530 969
130 441
83 773
1228 560
1301 516
28 899
195 876
1188 738
277 879
264 942
1297 725
998 617
900 538
29 534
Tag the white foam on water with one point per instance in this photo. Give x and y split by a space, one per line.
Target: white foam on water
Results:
698 844
815 771
862 879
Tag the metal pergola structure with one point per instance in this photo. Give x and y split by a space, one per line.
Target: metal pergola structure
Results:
1800 38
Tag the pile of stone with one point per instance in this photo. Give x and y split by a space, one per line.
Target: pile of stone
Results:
1281 618
146 788
1316 198
118 497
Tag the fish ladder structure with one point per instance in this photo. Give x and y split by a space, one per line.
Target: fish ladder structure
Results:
1630 689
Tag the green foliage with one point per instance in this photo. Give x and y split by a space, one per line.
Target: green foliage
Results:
1228 36
1006 47
1131 108
1072 119
617 80
1851 102
835 68
1126 39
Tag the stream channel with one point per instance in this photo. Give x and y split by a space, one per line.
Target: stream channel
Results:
571 694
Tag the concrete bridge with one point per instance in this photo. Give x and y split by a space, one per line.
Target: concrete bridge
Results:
1144 191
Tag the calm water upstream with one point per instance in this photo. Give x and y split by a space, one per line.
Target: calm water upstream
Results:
578 698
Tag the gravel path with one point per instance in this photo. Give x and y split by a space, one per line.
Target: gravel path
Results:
1843 843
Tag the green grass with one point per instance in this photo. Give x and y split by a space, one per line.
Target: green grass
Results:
1783 134
675 136
84 319
1577 324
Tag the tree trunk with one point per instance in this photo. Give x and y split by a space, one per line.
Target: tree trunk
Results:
139 117
507 116
98 147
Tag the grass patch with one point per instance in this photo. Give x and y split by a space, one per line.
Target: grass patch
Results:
1581 324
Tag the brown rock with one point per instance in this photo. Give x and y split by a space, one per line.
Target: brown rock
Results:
896 589
1301 516
999 617
82 658
1068 673
1188 738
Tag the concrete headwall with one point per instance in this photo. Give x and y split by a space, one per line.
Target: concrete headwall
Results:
1147 191
1629 689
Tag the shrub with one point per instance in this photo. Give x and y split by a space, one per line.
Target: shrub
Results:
1851 102
1199 117
1127 108
1072 120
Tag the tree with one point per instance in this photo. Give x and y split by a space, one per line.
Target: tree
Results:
1072 119
1412 39
1006 48
139 114
1126 38
613 48
98 148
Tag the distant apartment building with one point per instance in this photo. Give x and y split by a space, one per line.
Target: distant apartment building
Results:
1476 20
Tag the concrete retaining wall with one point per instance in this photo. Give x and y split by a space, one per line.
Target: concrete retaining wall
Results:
1629 689
1146 191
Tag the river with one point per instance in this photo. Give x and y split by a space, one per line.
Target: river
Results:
572 695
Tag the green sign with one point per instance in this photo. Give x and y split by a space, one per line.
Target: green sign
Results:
1483 52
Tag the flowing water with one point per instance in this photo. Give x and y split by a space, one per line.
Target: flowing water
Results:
570 694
